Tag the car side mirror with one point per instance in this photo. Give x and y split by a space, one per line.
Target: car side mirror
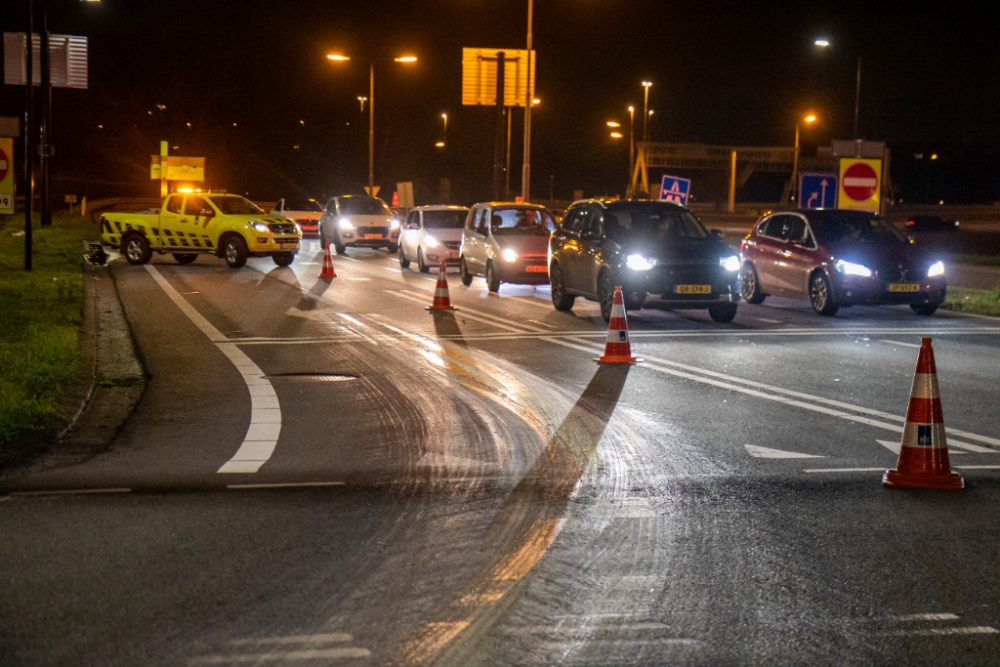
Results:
716 234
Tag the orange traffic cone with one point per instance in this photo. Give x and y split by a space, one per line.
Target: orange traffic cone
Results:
617 350
923 454
327 271
441 299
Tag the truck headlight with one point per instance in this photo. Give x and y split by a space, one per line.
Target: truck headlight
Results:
852 269
731 263
260 227
935 269
344 223
639 263
509 255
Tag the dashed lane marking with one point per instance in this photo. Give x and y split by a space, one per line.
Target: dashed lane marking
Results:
899 343
265 421
924 617
930 632
308 654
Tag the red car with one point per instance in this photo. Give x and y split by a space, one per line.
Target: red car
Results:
838 258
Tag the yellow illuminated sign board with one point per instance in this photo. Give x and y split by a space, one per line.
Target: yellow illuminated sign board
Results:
7 176
479 77
860 184
178 168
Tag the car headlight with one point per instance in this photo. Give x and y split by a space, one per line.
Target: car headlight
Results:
509 255
639 263
852 269
394 224
731 263
935 269
432 242
260 226
344 223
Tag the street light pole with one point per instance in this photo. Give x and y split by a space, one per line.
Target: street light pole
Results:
795 160
631 148
526 168
28 131
645 110
857 99
371 130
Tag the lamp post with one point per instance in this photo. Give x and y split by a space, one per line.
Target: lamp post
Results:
823 43
645 110
336 57
526 167
631 148
811 118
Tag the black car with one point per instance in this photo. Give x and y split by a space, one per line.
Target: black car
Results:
931 224
652 249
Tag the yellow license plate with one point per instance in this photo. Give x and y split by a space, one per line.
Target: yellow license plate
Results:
693 289
904 287
288 246
373 236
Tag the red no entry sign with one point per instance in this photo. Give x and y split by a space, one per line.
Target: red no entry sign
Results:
4 164
860 182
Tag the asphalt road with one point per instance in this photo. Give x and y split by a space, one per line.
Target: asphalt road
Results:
322 472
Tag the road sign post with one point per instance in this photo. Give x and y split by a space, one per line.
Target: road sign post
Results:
860 184
675 189
7 176
818 190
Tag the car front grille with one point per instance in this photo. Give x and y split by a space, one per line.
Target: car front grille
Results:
282 228
451 245
372 230
901 274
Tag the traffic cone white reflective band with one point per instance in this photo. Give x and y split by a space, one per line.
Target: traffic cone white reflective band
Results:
923 453
617 350
327 270
441 299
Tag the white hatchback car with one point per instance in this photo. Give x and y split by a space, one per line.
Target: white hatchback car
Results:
358 221
430 234
302 211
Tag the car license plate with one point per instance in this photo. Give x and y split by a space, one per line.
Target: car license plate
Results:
373 236
904 287
288 246
536 269
693 289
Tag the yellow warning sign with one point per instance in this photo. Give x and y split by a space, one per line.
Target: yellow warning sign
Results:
178 168
860 184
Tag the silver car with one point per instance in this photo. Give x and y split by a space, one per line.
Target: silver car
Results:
432 234
507 243
358 221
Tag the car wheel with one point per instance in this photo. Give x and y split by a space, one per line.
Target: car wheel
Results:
634 299
403 262
339 247
235 251
283 258
722 312
322 239
605 294
560 299
463 271
136 249
492 279
821 296
925 308
420 261
750 286
183 258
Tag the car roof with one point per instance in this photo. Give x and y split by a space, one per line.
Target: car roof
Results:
611 204
439 207
510 204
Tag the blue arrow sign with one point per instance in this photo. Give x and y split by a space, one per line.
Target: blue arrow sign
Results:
818 191
675 189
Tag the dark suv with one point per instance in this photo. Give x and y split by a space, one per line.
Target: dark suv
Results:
649 248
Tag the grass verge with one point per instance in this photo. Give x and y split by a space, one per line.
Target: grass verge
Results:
977 301
42 311
978 260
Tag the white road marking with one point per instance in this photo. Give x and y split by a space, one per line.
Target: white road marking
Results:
978 630
764 319
389 268
978 467
283 485
882 469
896 342
768 453
262 436
68 492
924 617
309 654
327 638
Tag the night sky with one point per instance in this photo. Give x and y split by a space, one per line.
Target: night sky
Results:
726 73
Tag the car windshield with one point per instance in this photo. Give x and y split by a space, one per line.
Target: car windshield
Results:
652 220
861 228
234 205
519 220
302 205
444 219
363 206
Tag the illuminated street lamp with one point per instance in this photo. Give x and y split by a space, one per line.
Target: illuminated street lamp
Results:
823 43
809 119
336 57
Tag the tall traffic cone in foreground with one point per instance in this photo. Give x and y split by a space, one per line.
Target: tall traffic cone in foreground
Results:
327 271
923 453
441 299
617 350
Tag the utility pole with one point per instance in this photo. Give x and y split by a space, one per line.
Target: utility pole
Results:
28 131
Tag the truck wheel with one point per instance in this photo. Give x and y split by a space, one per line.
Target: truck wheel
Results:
283 258
184 258
136 249
235 251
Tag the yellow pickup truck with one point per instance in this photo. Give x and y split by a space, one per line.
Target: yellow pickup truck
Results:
188 225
